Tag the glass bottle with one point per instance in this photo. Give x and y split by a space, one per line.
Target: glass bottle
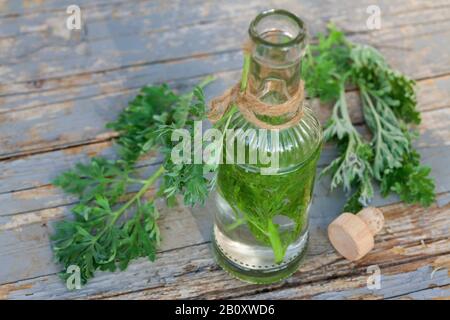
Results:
261 220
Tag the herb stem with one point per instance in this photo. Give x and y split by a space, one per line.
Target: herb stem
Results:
377 120
141 181
343 105
149 182
245 72
275 241
206 81
234 225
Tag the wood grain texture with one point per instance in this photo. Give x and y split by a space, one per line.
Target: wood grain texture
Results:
413 243
326 206
80 120
58 89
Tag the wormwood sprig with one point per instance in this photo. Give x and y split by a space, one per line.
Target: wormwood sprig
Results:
108 230
389 107
352 169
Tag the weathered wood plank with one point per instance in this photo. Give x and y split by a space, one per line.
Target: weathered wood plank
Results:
30 233
39 57
128 87
47 196
74 113
123 19
56 57
432 93
28 201
76 122
32 239
14 9
21 174
113 18
179 73
394 281
322 266
420 242
435 293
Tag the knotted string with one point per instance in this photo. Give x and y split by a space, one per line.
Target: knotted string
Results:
251 107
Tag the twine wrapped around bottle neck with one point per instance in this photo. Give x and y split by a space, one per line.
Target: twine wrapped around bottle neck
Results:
251 106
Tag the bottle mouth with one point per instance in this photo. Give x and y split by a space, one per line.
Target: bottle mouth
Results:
277 28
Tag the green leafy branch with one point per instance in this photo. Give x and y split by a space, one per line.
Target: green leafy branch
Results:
107 231
389 107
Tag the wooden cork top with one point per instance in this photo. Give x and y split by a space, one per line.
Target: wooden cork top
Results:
353 235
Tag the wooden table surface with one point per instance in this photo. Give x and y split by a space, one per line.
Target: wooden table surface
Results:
58 88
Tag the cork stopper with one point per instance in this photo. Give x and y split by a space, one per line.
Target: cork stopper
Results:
353 235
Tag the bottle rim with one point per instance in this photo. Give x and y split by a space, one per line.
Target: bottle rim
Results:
256 36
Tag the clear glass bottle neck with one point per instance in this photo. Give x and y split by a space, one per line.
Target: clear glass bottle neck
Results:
274 73
278 42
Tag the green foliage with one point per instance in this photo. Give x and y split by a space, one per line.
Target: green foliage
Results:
324 65
186 178
99 176
259 200
95 241
389 105
410 181
106 231
395 90
138 123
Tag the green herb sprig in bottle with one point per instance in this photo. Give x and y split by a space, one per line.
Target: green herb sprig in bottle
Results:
261 210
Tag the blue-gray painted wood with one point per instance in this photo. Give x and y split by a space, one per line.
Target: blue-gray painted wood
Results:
189 271
58 89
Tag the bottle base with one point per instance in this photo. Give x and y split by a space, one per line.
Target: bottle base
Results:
257 276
